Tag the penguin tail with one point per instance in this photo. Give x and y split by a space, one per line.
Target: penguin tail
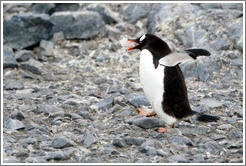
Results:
206 118
194 53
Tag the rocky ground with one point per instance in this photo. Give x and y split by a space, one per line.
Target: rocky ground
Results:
70 91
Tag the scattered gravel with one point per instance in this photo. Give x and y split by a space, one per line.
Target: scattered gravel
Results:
70 91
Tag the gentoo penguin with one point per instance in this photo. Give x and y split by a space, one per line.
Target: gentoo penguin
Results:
163 82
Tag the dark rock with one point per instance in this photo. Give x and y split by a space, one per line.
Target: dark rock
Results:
61 143
135 11
24 55
138 100
235 134
119 142
58 155
9 58
216 137
90 139
15 124
180 140
66 7
82 111
21 154
42 8
25 30
133 141
13 85
33 66
48 109
17 115
104 12
239 113
148 122
78 25
148 150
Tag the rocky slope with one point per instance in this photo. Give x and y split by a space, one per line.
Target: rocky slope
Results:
70 91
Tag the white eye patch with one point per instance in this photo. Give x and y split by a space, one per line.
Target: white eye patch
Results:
142 38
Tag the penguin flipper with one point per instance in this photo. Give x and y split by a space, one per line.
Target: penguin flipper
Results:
204 117
194 53
176 58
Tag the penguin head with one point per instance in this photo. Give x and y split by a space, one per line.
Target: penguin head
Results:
152 43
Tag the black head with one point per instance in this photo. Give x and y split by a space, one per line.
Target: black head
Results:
152 43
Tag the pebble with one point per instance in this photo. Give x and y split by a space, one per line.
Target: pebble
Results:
61 143
119 142
24 55
90 139
180 140
138 100
13 85
148 122
17 115
15 124
133 141
9 58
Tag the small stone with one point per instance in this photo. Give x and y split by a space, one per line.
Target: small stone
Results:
45 108
9 58
138 100
24 55
148 122
212 103
100 80
213 147
13 85
61 143
15 124
21 154
235 134
119 142
107 103
42 7
73 116
133 141
153 143
45 49
178 158
90 139
27 141
58 155
148 150
33 66
17 115
180 140
216 137
237 62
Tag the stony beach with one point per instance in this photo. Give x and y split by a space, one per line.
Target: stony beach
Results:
70 91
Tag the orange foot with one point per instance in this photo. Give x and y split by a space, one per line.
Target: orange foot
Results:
162 129
145 113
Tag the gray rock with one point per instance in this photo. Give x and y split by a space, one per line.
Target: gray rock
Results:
66 7
17 115
78 25
235 134
133 141
73 116
237 62
107 103
180 140
82 111
235 31
178 158
119 142
45 50
21 154
148 150
239 113
135 11
210 5
15 124
58 155
48 109
33 66
213 147
9 58
221 43
13 85
25 30
89 139
24 55
217 137
28 141
138 100
237 6
105 13
211 103
148 122
42 8
152 143
100 80
61 143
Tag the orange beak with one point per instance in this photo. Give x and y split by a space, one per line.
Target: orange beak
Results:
133 46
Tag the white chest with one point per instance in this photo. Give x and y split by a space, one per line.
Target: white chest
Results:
152 81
